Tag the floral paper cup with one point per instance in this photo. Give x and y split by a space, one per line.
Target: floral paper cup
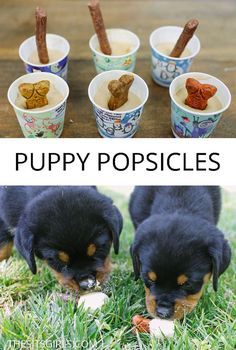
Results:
187 122
166 68
59 48
116 62
47 123
118 123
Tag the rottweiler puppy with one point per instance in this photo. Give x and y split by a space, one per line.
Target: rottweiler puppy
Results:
70 228
177 247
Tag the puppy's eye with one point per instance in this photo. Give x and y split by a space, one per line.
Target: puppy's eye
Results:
187 285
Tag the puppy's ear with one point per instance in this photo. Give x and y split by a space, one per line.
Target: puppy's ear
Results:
136 262
220 254
24 242
115 224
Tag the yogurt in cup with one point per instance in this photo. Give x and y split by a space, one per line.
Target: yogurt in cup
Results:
117 123
121 40
46 122
166 68
58 50
193 123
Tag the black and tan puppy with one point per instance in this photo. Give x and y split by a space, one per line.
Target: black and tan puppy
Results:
177 246
70 228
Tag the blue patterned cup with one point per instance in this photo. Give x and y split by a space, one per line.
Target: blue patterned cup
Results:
118 124
45 123
119 62
188 122
166 68
59 66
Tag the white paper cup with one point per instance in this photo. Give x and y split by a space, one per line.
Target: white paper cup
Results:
121 62
114 123
48 123
194 124
56 42
166 68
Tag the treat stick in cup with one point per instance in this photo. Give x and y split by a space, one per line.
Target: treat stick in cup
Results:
187 33
40 33
99 26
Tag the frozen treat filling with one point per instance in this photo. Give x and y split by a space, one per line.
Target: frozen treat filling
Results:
119 48
54 55
166 48
103 95
213 104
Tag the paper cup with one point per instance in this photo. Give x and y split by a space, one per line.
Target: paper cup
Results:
56 42
166 68
112 123
48 123
194 124
122 62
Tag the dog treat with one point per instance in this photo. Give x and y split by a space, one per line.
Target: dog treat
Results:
119 90
40 33
198 93
185 36
99 26
141 324
93 301
156 327
161 328
35 94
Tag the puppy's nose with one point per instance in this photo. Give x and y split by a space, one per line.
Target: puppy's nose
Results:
87 283
164 312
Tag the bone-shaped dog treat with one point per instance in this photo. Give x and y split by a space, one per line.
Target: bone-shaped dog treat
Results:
119 90
40 33
187 33
198 94
35 94
99 26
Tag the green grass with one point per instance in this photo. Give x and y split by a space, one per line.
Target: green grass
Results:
32 314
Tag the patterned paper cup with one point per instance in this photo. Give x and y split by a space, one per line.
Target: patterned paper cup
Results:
194 124
54 42
122 62
166 68
113 123
48 123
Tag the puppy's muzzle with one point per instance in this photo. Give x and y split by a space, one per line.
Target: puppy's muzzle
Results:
164 310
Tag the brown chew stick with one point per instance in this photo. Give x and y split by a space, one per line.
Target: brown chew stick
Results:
35 94
141 324
119 90
99 26
40 33
198 93
185 36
